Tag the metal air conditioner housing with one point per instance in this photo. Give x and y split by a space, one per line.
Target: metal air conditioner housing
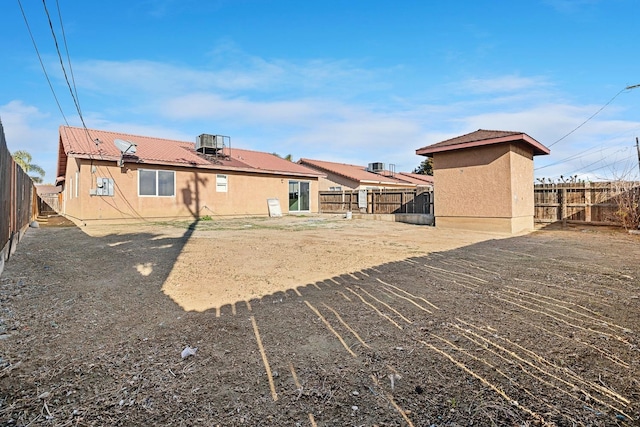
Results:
209 144
375 167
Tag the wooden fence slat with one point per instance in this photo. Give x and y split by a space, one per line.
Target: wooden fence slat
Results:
590 202
378 201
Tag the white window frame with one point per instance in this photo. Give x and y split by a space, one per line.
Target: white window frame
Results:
156 171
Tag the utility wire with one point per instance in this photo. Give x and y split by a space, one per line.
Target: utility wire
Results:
66 48
596 113
64 71
576 156
42 63
601 160
591 117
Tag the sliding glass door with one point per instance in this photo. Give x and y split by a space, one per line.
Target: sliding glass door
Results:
299 196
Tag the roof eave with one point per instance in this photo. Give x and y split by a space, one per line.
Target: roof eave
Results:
538 149
199 166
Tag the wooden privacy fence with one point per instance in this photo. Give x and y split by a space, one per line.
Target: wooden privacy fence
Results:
408 201
18 201
49 203
590 202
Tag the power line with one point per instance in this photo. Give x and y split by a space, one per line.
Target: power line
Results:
601 160
66 48
42 63
591 117
64 71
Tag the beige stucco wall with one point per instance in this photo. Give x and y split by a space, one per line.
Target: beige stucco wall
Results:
522 181
492 225
335 180
195 196
484 188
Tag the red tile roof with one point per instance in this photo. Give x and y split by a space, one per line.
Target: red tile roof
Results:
352 172
78 142
415 178
47 189
483 137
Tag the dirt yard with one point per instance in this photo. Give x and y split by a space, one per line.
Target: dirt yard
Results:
319 321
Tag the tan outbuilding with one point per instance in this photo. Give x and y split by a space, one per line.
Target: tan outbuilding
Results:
484 180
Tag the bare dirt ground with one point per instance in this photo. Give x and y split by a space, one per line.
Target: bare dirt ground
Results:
319 321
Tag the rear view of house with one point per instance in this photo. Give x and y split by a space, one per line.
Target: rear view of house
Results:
108 175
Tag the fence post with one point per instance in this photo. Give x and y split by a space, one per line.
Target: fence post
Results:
563 206
373 201
587 201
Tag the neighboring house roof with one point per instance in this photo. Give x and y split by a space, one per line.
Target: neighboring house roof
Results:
483 137
47 189
80 143
415 178
352 172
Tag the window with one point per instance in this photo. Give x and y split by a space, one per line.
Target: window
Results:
338 188
156 183
221 183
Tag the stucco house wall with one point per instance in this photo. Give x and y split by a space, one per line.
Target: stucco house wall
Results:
232 183
486 188
521 181
467 181
335 180
195 193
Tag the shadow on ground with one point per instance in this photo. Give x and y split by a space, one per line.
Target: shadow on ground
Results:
535 330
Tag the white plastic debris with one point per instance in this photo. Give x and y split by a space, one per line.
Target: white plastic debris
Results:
188 351
393 378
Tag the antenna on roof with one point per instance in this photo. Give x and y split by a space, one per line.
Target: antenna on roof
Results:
125 147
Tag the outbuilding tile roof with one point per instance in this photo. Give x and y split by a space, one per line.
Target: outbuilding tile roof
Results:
99 145
483 137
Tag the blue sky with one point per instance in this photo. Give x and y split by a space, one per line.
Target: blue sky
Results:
352 81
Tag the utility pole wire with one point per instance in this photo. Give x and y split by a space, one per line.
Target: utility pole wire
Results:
44 70
591 117
595 114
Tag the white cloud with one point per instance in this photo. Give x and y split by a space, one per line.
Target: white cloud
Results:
27 128
210 106
325 109
501 84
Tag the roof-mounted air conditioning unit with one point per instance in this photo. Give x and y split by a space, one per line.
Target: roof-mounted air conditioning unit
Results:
210 144
375 167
